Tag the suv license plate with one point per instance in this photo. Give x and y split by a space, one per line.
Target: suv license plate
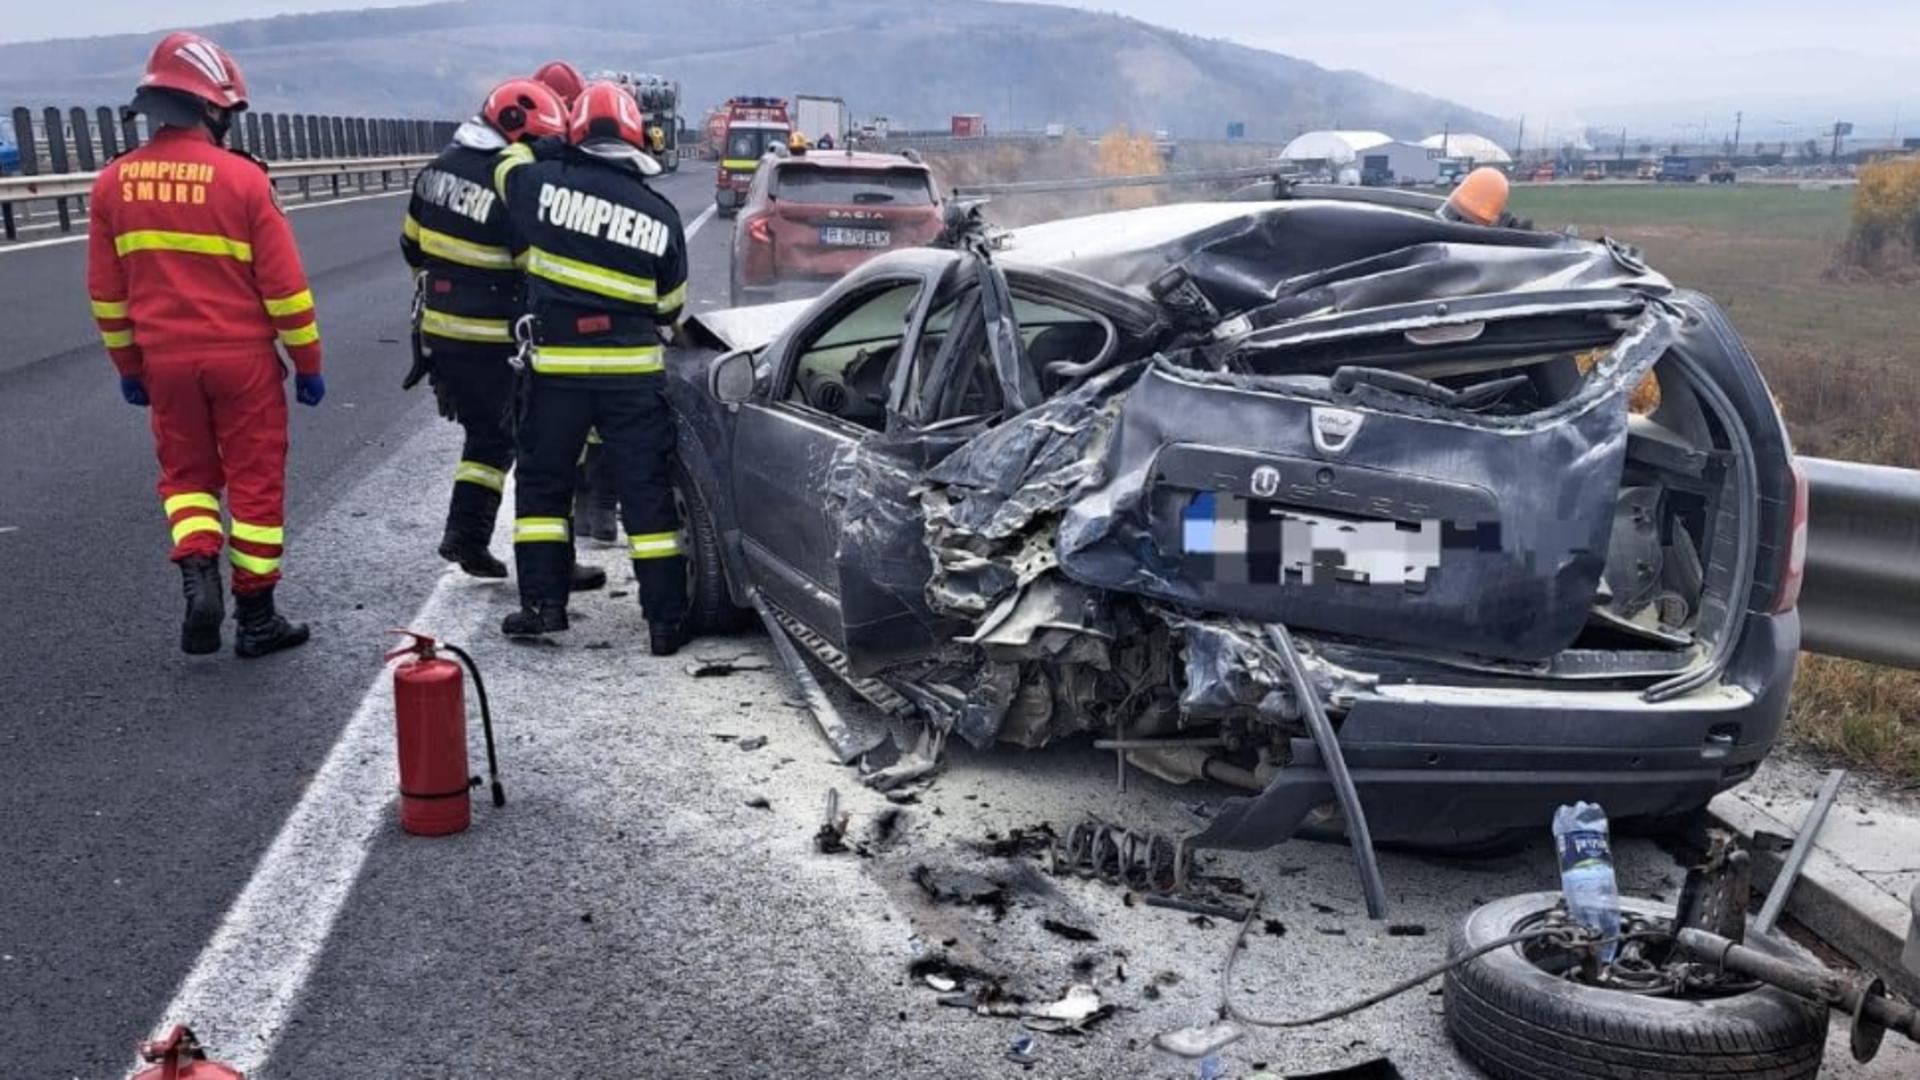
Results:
835 236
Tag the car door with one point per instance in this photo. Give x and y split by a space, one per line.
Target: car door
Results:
955 391
831 389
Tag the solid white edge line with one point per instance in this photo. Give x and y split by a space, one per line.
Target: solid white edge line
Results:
700 222
29 245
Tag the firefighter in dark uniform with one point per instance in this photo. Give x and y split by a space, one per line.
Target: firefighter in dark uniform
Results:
455 235
606 273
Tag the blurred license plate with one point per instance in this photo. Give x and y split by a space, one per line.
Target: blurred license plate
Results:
836 236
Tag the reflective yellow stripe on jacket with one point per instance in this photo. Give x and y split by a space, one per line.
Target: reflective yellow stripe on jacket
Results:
539 530
653 545
630 360
441 245
193 243
290 305
590 278
463 328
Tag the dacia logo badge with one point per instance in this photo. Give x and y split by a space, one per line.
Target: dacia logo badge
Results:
1334 429
1265 482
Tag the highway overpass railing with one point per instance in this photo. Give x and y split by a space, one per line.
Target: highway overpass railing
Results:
50 157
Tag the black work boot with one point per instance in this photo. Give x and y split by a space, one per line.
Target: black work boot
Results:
206 606
535 620
262 629
471 553
664 639
584 578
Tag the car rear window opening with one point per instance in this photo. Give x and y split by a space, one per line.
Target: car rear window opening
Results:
858 187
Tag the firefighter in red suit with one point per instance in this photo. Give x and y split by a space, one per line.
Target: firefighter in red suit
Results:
193 275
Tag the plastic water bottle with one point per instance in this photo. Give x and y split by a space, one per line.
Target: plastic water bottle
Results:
1586 870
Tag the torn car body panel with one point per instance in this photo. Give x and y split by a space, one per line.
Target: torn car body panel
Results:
1503 486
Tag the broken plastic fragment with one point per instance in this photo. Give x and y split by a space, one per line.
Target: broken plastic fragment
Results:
1201 1040
1022 1051
941 983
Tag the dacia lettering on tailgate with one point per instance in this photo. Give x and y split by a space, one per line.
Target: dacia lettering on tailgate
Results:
463 197
591 215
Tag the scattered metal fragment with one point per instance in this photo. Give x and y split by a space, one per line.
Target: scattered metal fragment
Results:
943 983
1022 1050
752 742
1406 930
832 837
1200 1040
759 802
916 764
1372 1069
1202 922
719 667
1196 907
846 745
1068 930
1797 858
1275 928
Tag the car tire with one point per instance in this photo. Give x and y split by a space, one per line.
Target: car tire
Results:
710 606
1519 1022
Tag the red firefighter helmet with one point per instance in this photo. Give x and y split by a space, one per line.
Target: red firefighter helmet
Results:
524 109
190 64
607 111
563 79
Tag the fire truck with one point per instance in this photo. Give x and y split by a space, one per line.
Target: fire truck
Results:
754 126
659 101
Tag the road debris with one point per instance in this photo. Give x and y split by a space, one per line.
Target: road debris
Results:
918 763
759 802
719 667
1068 931
1078 1010
752 742
1022 1051
1196 907
963 887
832 837
1200 1040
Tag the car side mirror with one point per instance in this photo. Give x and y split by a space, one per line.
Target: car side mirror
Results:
731 378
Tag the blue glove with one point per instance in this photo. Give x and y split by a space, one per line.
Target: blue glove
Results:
133 390
309 389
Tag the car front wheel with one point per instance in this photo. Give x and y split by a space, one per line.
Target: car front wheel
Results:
710 606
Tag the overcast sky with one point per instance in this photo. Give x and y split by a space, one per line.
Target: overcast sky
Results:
1660 65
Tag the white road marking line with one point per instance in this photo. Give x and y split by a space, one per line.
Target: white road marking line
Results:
29 245
244 984
699 222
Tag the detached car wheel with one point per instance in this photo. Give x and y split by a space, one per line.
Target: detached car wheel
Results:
1519 1021
710 607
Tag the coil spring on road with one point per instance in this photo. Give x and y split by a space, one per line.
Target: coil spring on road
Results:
1143 862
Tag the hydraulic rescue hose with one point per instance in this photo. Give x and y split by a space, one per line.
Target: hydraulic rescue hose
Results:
1328 743
486 722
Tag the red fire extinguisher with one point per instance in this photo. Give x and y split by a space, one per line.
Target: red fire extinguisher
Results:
178 1056
430 721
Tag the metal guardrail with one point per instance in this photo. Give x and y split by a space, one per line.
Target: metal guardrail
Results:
1862 594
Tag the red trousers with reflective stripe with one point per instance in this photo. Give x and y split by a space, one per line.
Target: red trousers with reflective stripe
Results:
220 425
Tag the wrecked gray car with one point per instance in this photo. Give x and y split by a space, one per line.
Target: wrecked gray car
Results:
1519 512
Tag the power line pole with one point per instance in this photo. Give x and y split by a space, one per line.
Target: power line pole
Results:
1737 118
1520 141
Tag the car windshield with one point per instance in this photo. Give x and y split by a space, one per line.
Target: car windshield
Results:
747 144
891 186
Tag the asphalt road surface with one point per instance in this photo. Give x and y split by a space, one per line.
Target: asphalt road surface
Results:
212 842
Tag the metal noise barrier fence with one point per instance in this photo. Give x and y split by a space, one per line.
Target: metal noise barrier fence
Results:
59 150
1862 594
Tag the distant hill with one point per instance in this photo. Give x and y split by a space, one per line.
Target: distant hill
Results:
912 61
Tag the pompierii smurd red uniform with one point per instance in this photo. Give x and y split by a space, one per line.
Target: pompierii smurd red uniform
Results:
194 276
